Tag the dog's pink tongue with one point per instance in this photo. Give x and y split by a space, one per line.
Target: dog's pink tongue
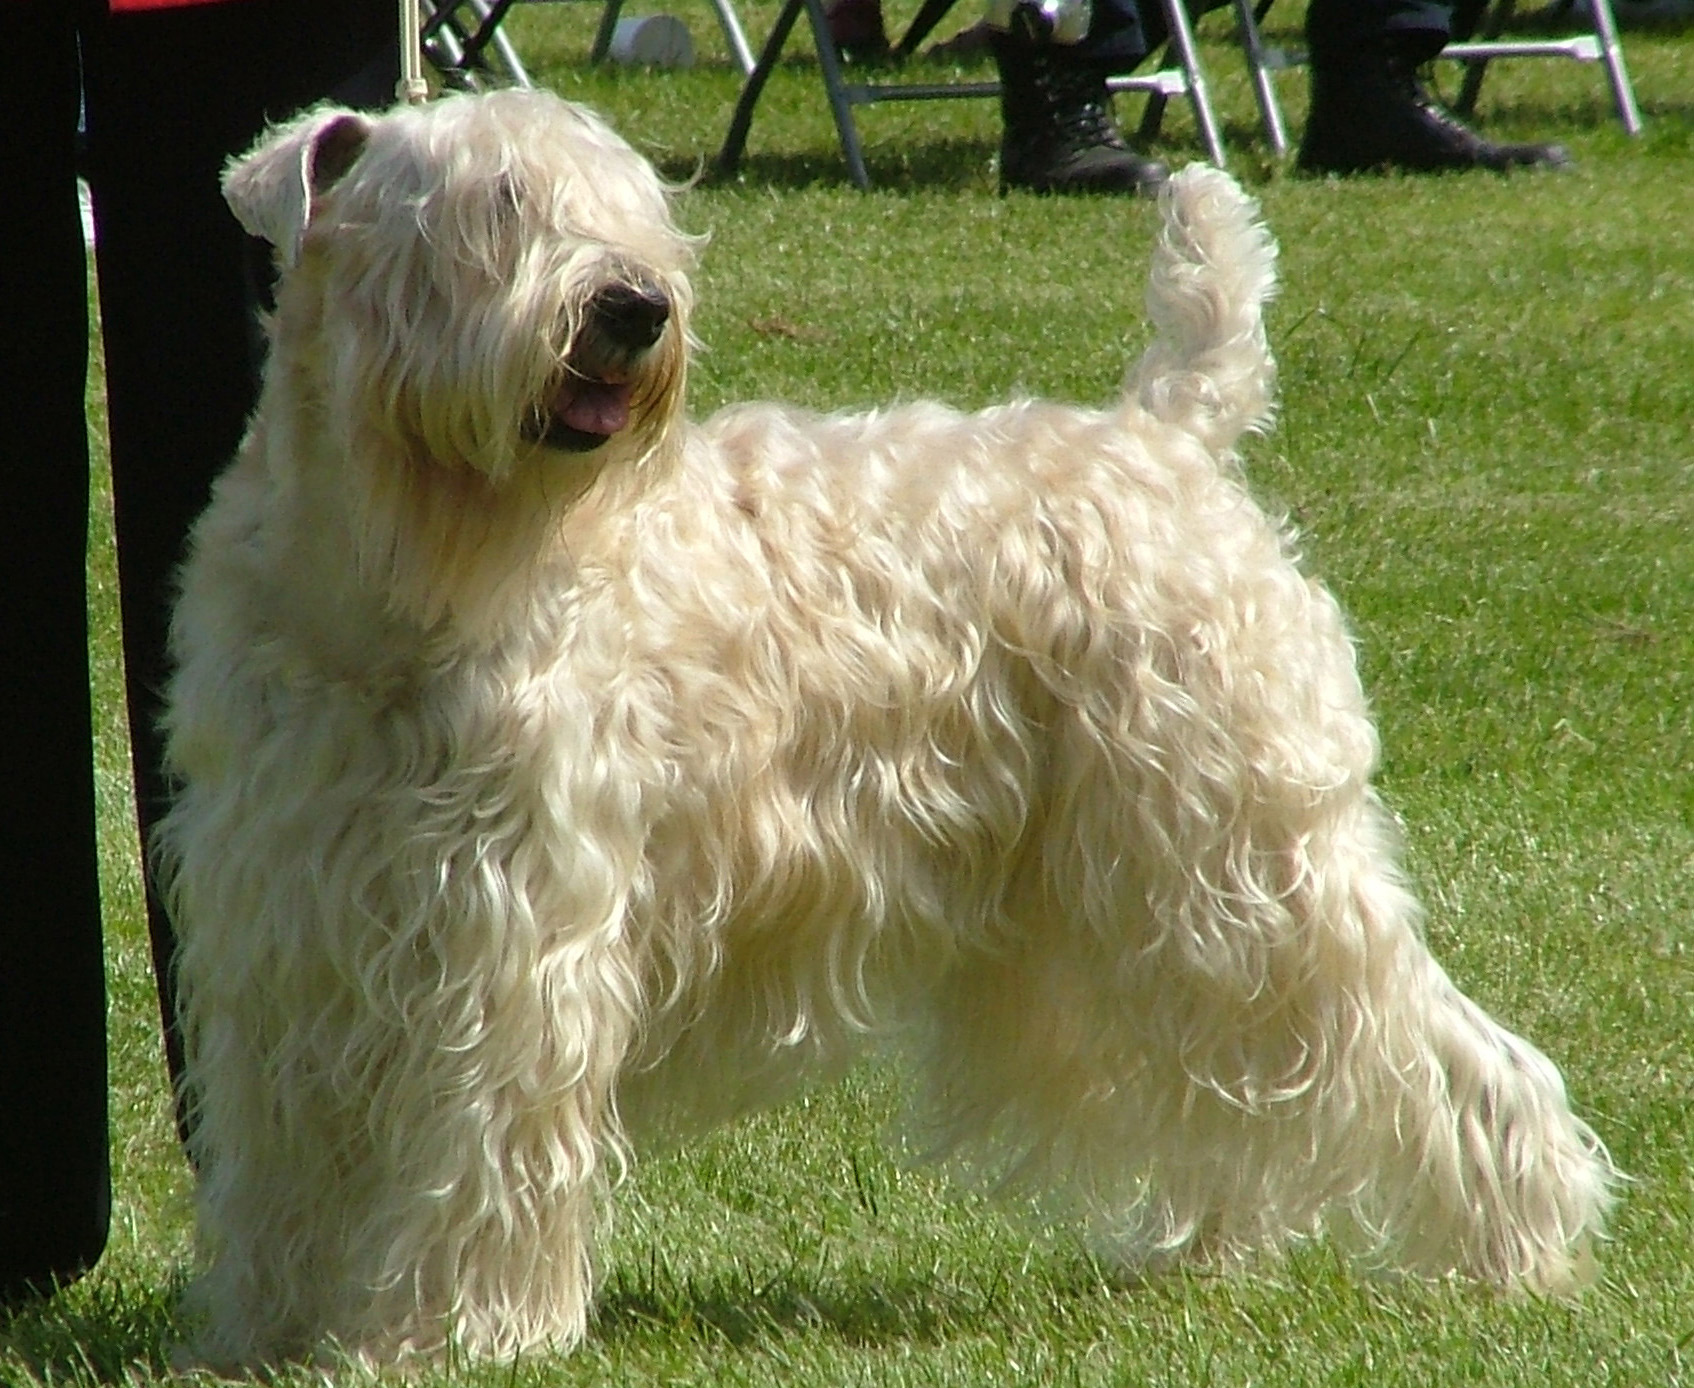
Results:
596 407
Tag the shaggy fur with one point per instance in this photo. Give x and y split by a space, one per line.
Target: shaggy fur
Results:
559 774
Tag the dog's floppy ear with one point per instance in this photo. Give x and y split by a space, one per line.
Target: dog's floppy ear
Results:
272 188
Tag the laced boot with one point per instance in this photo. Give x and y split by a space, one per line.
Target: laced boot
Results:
1372 111
1057 132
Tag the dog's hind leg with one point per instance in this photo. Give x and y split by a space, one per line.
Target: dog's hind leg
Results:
1437 1135
1086 1071
1468 1156
1234 1036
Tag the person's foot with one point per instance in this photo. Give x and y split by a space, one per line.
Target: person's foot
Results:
858 30
1057 132
1376 114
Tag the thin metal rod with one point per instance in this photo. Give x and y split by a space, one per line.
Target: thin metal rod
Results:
412 86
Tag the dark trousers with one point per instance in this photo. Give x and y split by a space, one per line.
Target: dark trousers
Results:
1125 32
53 1166
170 96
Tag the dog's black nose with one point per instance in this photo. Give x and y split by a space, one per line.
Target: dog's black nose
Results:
631 315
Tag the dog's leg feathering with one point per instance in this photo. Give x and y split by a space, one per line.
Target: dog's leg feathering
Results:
404 1058
1233 1036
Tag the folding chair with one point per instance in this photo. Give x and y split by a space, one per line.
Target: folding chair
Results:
1185 77
467 46
1600 45
464 43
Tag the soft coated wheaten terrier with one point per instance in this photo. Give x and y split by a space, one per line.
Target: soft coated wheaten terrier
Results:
558 773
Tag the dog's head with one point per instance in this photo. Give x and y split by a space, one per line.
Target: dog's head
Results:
492 281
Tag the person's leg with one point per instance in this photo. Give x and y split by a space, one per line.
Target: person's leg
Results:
54 1175
1058 135
859 31
172 95
1369 107
1340 28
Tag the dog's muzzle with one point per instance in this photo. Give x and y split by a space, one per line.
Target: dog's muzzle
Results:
621 325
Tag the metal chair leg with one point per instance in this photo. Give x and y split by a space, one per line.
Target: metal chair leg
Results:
1477 68
1259 70
1182 38
603 33
1601 45
735 140
829 59
1611 54
734 35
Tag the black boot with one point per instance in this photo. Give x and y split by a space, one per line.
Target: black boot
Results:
1057 131
1372 111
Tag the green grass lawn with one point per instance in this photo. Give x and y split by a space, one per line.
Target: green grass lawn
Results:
1487 441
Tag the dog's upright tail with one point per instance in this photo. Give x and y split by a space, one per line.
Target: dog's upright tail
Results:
1209 370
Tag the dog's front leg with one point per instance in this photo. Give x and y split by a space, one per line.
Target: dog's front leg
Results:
408 1112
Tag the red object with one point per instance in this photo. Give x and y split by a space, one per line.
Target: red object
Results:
123 6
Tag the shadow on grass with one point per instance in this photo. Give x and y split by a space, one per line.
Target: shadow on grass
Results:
947 165
853 1306
101 1331
1571 113
108 1332
117 1336
931 165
